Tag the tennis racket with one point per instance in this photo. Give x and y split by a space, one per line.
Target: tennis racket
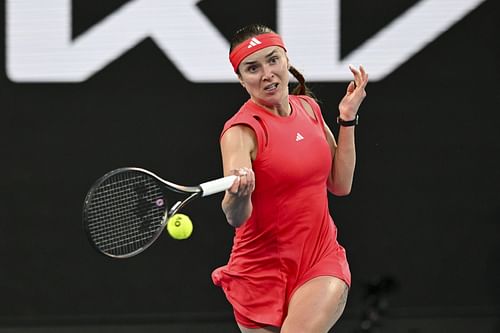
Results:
126 210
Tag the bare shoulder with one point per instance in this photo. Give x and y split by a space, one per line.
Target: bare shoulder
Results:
239 138
236 133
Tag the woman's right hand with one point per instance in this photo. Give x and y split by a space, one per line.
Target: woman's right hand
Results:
244 184
237 203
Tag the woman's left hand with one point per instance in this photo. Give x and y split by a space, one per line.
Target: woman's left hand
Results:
355 94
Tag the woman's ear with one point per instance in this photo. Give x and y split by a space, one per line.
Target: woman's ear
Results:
241 80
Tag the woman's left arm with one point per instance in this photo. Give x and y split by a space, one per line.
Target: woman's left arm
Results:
344 152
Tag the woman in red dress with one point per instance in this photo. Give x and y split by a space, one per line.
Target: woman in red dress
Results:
287 272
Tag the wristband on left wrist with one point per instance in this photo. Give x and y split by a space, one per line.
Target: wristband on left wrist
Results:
347 123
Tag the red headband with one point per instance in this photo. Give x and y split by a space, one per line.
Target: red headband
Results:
252 45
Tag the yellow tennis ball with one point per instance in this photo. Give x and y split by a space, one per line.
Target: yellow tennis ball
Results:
179 226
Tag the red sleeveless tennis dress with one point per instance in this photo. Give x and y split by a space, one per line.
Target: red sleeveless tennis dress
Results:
290 237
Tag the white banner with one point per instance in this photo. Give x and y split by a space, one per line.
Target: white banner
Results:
39 47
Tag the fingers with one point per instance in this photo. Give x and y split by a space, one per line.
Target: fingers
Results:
244 184
351 87
364 76
360 76
356 74
355 94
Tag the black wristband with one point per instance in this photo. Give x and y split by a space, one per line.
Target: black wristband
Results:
345 123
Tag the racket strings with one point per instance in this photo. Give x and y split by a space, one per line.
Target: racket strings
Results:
125 213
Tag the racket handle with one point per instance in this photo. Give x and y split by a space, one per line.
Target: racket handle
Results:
217 185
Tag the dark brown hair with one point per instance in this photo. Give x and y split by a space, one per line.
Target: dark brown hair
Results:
253 30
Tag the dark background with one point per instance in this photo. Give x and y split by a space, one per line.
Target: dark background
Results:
424 210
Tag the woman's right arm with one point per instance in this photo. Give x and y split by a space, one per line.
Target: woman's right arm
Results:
239 148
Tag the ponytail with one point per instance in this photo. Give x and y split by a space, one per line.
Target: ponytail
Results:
301 88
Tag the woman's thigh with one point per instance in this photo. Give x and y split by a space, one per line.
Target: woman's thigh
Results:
316 305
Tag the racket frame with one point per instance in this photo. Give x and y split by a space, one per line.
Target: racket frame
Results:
194 192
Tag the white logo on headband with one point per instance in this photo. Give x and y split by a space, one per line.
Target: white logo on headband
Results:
254 41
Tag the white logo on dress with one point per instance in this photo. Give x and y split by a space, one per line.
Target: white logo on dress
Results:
299 137
254 41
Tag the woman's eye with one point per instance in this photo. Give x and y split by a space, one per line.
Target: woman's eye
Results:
273 60
252 69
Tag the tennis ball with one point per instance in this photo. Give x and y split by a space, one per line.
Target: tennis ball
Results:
179 226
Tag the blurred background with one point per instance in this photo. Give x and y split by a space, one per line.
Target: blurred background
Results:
89 86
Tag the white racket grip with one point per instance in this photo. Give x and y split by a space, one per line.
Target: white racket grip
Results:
217 185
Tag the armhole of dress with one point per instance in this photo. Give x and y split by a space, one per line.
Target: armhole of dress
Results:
308 102
264 137
258 126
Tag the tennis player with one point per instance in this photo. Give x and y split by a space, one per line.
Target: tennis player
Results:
287 272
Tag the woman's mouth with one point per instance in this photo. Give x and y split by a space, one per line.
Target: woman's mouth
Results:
271 87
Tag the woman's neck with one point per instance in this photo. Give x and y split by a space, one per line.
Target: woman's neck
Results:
282 110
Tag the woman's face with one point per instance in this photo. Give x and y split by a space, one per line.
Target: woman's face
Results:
264 74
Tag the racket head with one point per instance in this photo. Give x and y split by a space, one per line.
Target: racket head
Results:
124 212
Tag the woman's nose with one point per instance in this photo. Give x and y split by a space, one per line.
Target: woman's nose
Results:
268 73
